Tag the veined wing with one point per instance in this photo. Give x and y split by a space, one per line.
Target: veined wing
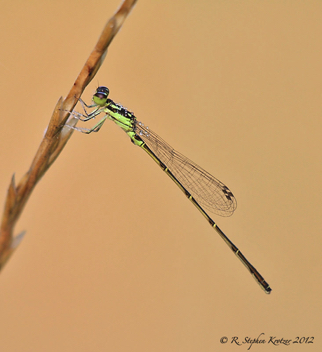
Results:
208 191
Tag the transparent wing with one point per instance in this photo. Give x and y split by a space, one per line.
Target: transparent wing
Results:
209 192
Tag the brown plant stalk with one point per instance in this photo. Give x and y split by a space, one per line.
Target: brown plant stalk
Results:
56 136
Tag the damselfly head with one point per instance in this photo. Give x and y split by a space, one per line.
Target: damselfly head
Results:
100 96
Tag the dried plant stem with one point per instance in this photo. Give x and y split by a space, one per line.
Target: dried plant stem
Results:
55 137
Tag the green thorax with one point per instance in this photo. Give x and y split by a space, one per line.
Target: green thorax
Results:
123 118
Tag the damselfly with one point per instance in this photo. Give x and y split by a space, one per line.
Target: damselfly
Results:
201 188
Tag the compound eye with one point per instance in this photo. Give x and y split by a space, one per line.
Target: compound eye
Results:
102 90
100 96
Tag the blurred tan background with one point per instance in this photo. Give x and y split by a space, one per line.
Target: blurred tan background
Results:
115 258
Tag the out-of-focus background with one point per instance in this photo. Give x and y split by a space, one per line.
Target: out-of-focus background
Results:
115 258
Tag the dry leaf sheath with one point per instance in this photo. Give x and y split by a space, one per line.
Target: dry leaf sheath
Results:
56 136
